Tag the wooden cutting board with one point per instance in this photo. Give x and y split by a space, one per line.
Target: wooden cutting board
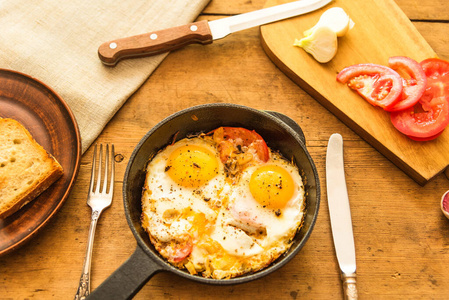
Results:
381 30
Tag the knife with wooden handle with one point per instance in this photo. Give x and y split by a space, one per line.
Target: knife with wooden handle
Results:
340 215
202 32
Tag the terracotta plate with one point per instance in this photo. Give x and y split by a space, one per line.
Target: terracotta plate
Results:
52 124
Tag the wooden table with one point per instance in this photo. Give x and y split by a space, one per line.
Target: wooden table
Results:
401 236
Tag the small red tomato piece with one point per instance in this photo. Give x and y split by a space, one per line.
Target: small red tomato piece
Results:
181 249
240 137
377 84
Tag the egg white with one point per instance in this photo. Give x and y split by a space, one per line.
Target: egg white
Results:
163 194
246 213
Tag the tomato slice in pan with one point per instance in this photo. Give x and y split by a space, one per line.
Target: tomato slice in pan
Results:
413 81
424 120
377 84
230 137
181 249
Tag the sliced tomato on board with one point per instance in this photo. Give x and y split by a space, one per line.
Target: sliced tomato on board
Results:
425 139
435 67
377 84
418 101
414 81
431 113
230 137
425 120
437 72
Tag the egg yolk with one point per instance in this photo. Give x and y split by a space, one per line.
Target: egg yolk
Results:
271 186
192 166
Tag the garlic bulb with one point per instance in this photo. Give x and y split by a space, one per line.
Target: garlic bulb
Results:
321 44
336 19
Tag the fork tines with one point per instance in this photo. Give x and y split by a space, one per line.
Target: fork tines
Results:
98 188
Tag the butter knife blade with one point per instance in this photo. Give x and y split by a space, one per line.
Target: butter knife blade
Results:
340 215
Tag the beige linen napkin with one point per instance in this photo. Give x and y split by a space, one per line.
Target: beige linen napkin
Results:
57 41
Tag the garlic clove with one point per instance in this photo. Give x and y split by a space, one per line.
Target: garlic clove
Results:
321 44
445 204
336 19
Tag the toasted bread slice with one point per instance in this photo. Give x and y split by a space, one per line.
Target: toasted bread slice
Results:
26 169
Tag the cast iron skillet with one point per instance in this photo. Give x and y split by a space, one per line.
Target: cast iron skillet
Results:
280 133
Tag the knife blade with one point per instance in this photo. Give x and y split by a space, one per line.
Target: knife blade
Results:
340 215
201 32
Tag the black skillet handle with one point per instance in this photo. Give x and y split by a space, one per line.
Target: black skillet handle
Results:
292 124
128 279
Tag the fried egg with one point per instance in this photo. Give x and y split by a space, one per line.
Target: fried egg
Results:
218 215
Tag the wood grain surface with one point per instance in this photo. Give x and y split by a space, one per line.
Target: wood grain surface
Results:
401 236
381 30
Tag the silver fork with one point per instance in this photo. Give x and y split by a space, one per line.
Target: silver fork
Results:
98 200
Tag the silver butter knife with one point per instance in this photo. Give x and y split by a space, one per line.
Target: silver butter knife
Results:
340 215
201 32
